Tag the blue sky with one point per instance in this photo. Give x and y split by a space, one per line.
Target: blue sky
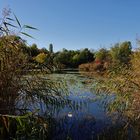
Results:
77 24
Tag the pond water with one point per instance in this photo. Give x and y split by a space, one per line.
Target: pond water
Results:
86 118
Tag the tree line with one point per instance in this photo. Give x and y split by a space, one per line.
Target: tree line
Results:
84 59
118 55
62 59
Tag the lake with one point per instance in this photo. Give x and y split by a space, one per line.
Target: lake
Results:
86 117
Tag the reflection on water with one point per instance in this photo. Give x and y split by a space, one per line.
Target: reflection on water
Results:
83 118
87 118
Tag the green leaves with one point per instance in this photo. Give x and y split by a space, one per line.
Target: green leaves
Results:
26 34
17 21
24 26
30 27
10 24
10 19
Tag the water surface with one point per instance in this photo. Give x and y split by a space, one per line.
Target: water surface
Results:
87 117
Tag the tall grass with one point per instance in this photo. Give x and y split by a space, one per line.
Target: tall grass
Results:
123 82
16 83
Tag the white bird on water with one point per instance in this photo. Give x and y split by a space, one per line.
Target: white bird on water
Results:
69 114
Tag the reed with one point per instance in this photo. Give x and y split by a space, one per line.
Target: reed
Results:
17 83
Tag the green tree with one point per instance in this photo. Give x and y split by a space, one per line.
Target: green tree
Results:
85 56
121 53
72 59
34 50
102 55
51 48
75 59
64 57
44 50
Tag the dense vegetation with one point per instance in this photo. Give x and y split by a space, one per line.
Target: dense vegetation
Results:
62 59
19 79
21 86
85 59
118 55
